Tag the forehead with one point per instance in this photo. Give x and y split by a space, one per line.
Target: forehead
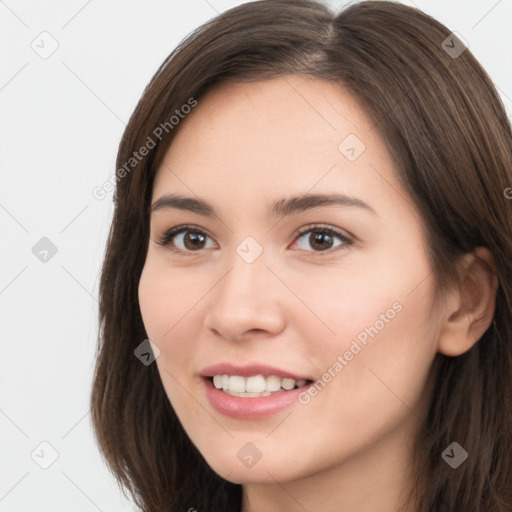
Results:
282 113
290 134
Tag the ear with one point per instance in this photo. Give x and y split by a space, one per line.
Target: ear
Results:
469 310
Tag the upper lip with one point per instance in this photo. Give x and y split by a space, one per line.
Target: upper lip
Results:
250 370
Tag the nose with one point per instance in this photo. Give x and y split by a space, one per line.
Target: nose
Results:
249 300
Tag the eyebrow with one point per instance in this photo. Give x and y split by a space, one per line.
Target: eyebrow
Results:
283 207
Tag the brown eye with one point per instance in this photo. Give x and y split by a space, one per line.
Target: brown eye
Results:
186 239
321 239
193 240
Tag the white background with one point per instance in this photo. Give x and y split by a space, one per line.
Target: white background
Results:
61 119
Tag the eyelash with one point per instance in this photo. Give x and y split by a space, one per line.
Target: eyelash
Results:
169 236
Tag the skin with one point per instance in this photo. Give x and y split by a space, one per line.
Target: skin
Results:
242 148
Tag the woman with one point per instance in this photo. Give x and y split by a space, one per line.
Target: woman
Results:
312 228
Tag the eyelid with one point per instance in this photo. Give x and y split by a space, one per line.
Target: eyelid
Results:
327 227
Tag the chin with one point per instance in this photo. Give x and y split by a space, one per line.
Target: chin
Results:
238 468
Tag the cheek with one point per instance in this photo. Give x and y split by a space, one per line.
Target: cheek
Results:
166 297
169 301
386 355
154 296
360 296
383 333
165 305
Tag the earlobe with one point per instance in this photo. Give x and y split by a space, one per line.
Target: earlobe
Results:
470 309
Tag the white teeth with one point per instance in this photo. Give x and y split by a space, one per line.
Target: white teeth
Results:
256 385
237 384
273 383
217 381
288 384
248 395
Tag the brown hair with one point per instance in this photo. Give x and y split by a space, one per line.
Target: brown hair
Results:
447 131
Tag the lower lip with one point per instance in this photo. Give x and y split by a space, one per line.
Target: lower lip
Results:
249 408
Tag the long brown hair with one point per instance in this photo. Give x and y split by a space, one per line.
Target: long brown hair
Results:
447 131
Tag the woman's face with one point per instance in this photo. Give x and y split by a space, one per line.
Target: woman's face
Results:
300 256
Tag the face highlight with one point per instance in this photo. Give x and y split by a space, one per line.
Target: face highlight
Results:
280 237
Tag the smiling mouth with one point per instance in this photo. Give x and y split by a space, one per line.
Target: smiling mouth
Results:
256 385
